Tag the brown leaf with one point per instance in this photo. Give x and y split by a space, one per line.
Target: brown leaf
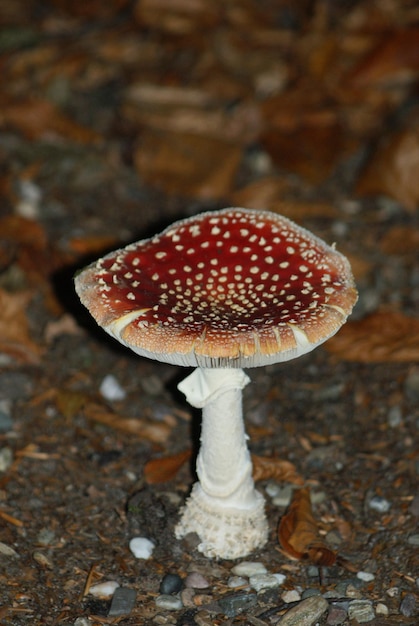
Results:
165 468
298 532
37 118
395 58
187 164
393 168
384 336
156 432
14 328
401 240
276 469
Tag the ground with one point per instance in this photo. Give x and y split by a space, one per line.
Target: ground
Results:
115 120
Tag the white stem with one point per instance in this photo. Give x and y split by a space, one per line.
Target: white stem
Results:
226 488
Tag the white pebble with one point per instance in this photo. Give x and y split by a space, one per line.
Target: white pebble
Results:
379 504
236 581
104 590
280 578
170 603
381 609
111 389
365 576
141 547
249 568
393 592
263 581
291 596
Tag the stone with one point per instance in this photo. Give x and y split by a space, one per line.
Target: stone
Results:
168 602
104 589
196 581
379 504
263 581
171 583
366 577
235 603
305 613
361 610
123 602
249 568
408 605
141 547
336 616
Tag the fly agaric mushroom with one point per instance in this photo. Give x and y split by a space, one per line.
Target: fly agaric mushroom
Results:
222 291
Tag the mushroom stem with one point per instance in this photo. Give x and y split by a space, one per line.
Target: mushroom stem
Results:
224 508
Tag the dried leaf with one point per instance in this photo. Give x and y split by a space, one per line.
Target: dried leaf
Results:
14 328
382 337
165 468
394 59
393 169
275 469
298 532
187 164
37 119
156 432
401 240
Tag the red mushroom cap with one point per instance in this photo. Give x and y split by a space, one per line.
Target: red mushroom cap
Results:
229 288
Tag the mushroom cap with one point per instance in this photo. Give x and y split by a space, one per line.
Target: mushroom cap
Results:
230 288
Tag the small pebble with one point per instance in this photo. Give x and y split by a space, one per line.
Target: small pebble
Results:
6 458
187 597
249 568
111 389
308 593
393 592
408 605
414 506
282 496
123 601
305 613
104 590
171 583
141 547
291 596
263 581
6 550
46 537
237 581
361 610
235 603
170 603
42 559
379 504
82 621
367 577
281 578
382 609
196 581
394 416
336 616
413 540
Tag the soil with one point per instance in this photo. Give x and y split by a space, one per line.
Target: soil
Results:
73 492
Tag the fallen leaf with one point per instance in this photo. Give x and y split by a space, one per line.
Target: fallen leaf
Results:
15 339
401 240
187 164
156 432
265 468
394 59
165 468
93 244
393 168
298 532
382 337
37 118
